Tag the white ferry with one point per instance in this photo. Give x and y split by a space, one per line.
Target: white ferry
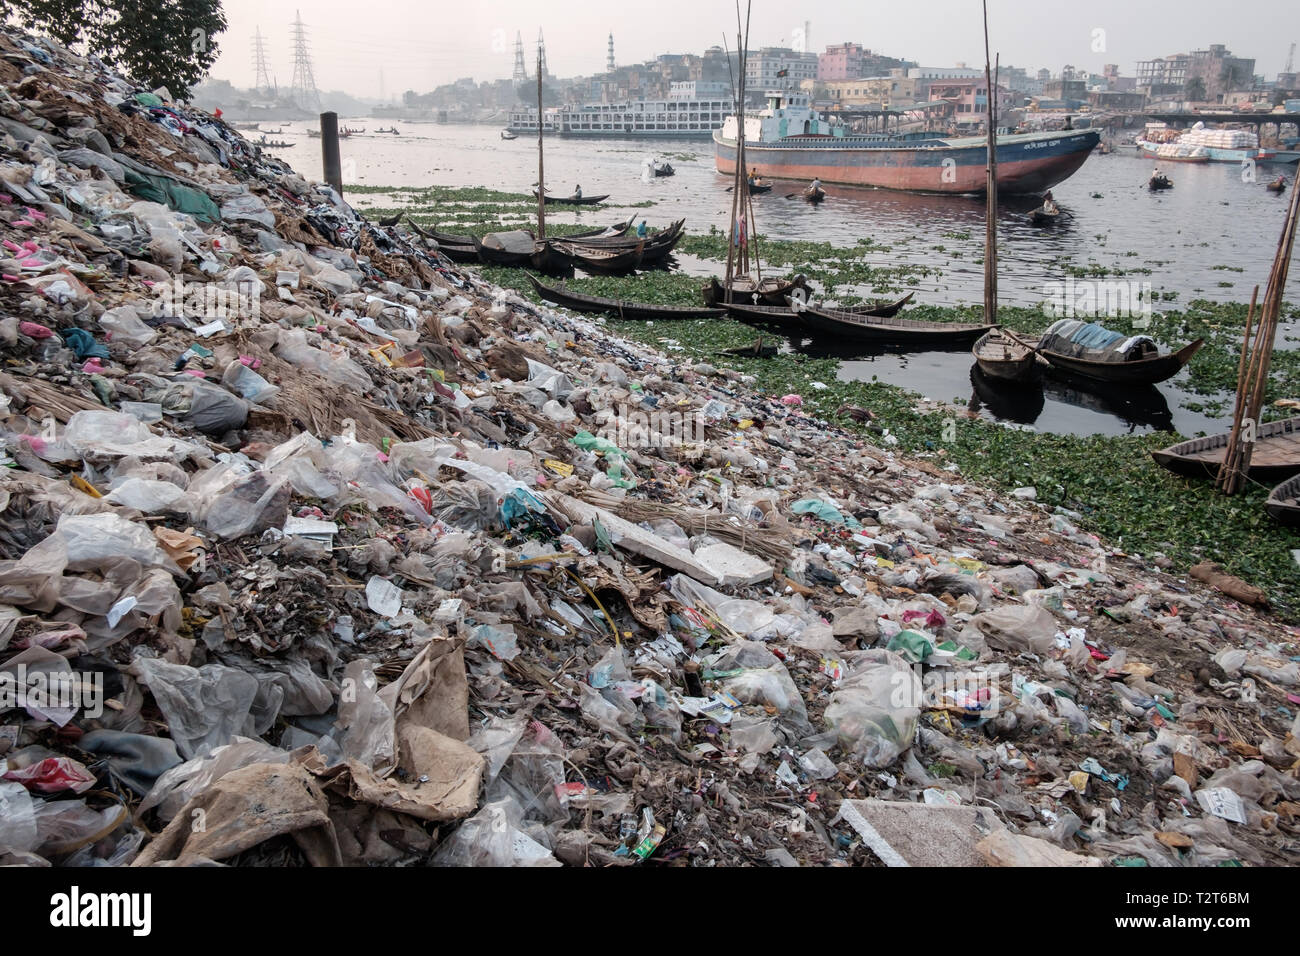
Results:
674 118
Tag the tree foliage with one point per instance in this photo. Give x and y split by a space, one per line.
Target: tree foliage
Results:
167 43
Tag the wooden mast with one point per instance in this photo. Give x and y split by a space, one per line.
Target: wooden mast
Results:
990 189
541 177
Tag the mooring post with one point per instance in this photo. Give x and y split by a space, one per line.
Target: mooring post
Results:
329 150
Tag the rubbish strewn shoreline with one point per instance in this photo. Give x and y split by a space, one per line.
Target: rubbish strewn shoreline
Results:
388 565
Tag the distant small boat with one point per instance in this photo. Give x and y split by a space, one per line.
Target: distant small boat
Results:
758 186
393 131
506 134
273 132
315 133
814 194
573 200
1042 217
273 144
663 169
1277 185
1284 502
349 131
1002 355
1159 182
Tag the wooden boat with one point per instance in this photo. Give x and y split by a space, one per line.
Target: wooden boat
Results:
1041 217
459 253
891 331
273 132
747 311
1002 355
599 259
1159 182
573 200
456 239
771 291
1277 185
1284 502
880 308
544 255
273 144
1276 455
1141 371
760 187
349 131
343 133
506 134
814 194
393 131
663 169
595 305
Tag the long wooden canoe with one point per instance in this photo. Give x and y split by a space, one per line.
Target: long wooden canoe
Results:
607 232
1276 455
1284 502
775 313
771 291
1147 371
573 200
892 330
600 259
595 305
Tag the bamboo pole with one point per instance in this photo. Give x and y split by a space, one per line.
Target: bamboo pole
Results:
541 178
1239 404
991 189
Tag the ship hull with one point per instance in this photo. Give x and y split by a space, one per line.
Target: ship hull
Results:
1025 164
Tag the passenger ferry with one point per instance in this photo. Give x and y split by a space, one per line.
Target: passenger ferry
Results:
676 118
789 140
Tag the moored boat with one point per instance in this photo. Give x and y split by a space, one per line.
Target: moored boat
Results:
597 305
1276 454
1284 502
598 259
1001 354
891 330
506 134
769 291
789 140
1093 351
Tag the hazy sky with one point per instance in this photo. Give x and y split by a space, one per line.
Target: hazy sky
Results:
420 45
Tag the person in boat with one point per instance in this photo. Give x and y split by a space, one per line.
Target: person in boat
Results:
577 192
816 186
1155 173
751 178
1049 204
640 229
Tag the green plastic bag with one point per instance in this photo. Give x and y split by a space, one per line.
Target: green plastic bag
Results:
913 646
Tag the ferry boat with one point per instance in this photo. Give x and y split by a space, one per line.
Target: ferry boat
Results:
789 140
676 118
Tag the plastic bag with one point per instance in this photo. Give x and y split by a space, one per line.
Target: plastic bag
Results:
177 785
124 325
876 708
770 685
340 369
150 497
93 541
492 838
1018 628
368 733
205 706
249 505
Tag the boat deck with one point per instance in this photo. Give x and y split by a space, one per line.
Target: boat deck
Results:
1271 452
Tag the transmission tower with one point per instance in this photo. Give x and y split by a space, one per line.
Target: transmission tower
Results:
304 92
541 55
263 81
609 60
521 71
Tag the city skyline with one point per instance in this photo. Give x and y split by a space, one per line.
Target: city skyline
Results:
366 60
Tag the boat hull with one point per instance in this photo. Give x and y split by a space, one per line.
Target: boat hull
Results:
1025 164
1282 505
1141 372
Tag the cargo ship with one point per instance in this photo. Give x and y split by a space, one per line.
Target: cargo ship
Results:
1201 144
790 140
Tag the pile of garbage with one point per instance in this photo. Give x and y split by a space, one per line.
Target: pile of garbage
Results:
317 550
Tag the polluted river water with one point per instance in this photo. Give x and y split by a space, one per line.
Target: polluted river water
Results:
1211 237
